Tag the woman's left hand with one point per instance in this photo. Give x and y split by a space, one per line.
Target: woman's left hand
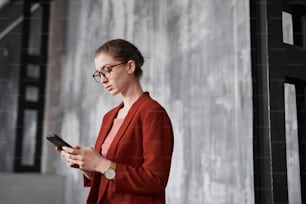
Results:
87 158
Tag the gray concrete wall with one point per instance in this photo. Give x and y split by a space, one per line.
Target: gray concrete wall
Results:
197 66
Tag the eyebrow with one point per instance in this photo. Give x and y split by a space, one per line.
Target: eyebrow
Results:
99 69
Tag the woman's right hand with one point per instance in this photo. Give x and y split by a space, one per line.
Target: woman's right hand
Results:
88 174
65 155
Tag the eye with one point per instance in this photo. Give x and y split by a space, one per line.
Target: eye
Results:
107 69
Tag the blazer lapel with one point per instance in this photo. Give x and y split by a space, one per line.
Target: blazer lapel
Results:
113 148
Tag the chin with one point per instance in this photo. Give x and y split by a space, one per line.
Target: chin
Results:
114 92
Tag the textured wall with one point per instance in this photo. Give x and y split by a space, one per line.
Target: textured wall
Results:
197 66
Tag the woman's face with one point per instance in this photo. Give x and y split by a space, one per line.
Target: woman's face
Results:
118 78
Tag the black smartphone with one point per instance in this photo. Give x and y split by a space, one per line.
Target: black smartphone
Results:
57 140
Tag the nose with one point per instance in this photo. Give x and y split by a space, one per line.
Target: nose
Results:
103 79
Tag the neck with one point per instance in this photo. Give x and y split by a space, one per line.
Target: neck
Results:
131 94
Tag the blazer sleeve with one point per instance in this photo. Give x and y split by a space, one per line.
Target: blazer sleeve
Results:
152 176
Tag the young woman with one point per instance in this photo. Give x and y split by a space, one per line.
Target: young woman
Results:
131 160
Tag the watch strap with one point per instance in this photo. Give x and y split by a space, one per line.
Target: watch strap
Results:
112 165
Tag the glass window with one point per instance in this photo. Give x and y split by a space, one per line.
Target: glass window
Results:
292 146
35 30
32 94
287 28
29 137
33 71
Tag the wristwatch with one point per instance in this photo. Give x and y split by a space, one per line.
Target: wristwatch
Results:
110 172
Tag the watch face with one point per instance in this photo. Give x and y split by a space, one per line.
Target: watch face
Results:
110 173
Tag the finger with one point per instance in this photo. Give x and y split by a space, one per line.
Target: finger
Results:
67 149
64 154
71 150
67 156
70 161
73 163
75 166
74 157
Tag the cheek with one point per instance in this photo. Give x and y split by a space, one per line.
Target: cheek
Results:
119 80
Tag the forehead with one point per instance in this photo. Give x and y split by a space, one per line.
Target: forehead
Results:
103 59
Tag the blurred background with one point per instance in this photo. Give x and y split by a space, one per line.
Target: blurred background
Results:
230 73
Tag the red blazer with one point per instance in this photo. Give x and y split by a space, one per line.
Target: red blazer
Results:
142 150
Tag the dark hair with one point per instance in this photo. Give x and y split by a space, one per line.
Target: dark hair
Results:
124 51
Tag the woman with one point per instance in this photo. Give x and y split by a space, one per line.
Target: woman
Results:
130 162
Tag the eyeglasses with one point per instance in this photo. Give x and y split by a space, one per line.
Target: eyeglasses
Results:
105 72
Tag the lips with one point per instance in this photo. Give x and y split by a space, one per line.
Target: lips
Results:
109 88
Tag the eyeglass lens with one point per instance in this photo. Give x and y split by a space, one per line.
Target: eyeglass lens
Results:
105 73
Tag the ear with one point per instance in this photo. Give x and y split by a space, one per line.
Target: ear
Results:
131 66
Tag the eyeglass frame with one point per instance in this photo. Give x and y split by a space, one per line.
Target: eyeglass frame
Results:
108 71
